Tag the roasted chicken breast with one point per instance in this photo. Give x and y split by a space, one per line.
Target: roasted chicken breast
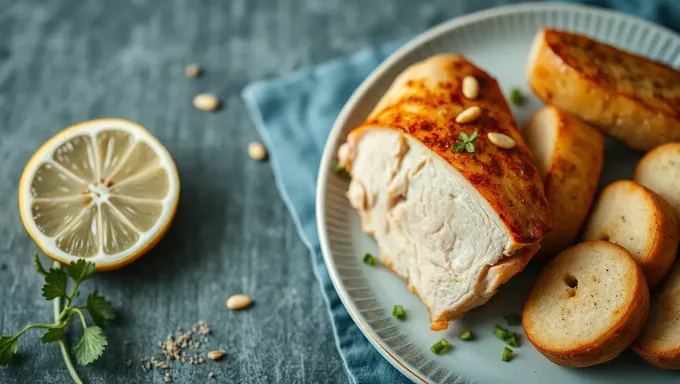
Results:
454 225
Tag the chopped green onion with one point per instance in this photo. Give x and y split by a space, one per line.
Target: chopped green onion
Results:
507 354
398 312
440 347
517 98
370 259
466 335
500 332
513 319
511 340
339 168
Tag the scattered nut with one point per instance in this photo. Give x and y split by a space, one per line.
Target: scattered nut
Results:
237 302
216 355
168 379
193 70
469 115
206 102
211 375
128 363
501 140
257 151
470 87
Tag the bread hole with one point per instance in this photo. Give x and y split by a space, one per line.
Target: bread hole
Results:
570 280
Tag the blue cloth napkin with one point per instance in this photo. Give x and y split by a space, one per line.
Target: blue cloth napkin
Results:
294 115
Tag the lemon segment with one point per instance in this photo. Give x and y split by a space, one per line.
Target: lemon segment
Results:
105 190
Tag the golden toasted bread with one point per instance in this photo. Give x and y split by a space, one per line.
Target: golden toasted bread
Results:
569 155
630 97
587 305
659 170
636 218
659 341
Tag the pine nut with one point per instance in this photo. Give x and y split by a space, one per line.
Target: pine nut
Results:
257 151
470 87
216 355
469 115
501 140
237 302
192 70
206 102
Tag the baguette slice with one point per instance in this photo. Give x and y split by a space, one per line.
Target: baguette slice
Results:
659 342
587 305
636 218
631 98
569 155
659 170
455 225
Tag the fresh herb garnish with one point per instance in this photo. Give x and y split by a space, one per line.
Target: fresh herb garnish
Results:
440 347
508 354
517 98
510 338
340 169
93 341
466 335
370 259
465 143
398 312
513 319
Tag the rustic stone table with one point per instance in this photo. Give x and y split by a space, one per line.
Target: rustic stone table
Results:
63 61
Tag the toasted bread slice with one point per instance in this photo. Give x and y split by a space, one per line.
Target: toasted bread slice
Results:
636 218
587 305
659 341
569 155
659 170
632 98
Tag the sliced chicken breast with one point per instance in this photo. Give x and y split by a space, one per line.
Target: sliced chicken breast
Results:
454 225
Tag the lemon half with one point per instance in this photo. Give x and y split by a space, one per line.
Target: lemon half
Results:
104 190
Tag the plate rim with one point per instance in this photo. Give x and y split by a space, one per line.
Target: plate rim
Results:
336 131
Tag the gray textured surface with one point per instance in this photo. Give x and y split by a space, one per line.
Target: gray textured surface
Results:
63 61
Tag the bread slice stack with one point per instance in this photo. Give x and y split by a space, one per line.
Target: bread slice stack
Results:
587 305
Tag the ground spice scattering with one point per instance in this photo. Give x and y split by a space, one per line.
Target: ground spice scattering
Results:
177 347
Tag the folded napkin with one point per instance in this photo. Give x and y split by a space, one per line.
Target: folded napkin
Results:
294 115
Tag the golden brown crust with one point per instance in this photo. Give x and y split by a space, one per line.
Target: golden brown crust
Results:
661 238
606 346
571 178
630 97
424 101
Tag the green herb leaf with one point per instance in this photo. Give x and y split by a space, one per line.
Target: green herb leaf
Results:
398 312
513 319
512 340
508 354
370 259
52 335
500 332
458 147
100 309
38 265
469 147
91 346
55 284
464 137
466 335
517 98
440 347
340 169
80 270
473 137
8 348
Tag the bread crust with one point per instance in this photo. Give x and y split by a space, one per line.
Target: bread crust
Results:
617 337
571 173
659 170
629 97
660 352
608 222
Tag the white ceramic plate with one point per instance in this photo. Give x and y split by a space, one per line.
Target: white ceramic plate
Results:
497 40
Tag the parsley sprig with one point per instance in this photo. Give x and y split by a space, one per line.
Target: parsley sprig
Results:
93 341
465 143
